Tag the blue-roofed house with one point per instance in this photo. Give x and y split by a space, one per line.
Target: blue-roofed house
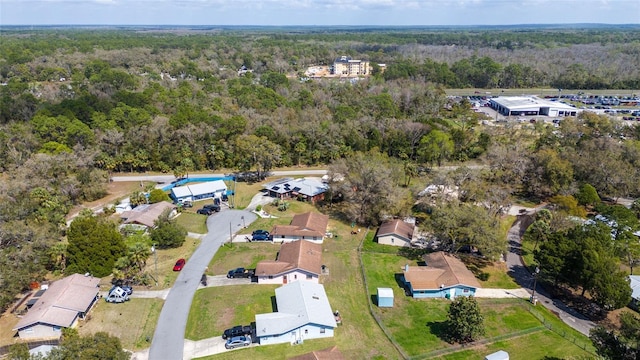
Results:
199 191
307 189
303 313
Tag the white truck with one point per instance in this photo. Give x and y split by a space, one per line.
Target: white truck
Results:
117 295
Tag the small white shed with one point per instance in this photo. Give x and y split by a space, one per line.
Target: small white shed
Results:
385 297
498 355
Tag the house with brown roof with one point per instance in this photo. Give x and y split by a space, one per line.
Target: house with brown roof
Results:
297 260
61 306
444 276
309 226
395 232
145 215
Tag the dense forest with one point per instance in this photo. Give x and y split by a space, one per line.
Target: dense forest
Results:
79 105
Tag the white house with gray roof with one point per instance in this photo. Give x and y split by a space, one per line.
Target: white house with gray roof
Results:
303 313
199 191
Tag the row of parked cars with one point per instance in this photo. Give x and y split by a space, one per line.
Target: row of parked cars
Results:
237 336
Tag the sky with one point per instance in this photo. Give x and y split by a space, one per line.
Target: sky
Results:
317 12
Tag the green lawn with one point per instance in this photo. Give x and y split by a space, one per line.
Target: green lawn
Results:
344 287
539 345
217 308
246 255
418 324
193 222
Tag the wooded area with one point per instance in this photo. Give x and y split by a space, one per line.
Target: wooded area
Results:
77 106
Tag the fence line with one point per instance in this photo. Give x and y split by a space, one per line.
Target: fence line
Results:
529 307
384 329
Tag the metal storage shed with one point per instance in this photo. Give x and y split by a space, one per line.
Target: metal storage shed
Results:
385 297
498 355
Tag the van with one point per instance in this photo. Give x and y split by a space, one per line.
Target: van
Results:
117 295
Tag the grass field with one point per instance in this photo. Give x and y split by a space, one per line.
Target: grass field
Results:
217 308
133 321
426 317
246 255
166 259
193 222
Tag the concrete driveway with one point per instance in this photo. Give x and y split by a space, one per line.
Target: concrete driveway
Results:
168 339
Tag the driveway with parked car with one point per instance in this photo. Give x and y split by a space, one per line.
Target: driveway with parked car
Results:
168 340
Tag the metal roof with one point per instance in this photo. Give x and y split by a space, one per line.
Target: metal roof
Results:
299 303
199 189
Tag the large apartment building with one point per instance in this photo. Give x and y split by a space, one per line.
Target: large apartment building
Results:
347 66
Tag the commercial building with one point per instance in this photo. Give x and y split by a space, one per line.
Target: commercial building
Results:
530 106
347 66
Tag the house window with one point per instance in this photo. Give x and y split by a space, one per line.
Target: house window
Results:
393 240
465 290
56 328
28 331
309 276
295 276
306 331
322 330
270 276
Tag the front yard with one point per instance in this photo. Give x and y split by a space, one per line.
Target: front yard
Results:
134 321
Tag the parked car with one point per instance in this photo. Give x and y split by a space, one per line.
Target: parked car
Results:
127 289
212 207
179 265
240 273
238 341
256 232
117 295
205 211
260 235
187 204
235 331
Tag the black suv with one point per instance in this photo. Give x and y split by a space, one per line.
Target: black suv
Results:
205 211
212 207
236 331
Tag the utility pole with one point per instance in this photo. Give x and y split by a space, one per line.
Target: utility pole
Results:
230 233
535 282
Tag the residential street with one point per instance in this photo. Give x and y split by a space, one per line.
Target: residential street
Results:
522 276
168 340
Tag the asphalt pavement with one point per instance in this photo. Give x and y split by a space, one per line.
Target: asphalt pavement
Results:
525 279
168 339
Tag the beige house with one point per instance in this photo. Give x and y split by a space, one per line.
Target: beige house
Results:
395 232
61 305
297 260
145 215
444 276
347 66
308 226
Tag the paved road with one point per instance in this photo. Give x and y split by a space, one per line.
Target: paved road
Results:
168 340
525 279
170 178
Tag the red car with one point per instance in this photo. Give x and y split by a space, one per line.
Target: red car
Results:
179 265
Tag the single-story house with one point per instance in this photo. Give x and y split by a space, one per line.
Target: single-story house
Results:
64 302
308 189
331 353
308 226
395 232
146 214
297 260
199 191
444 276
303 313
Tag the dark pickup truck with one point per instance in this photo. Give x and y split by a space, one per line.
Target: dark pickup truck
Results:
237 331
240 273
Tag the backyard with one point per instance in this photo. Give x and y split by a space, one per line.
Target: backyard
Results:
419 324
